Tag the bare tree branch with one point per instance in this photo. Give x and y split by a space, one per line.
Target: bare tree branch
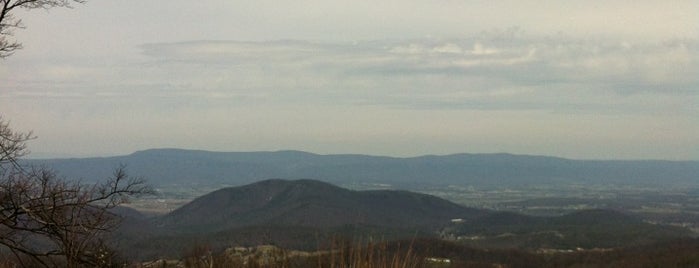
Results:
13 146
8 23
68 218
47 218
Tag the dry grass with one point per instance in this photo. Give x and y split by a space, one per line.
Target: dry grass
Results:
4 263
338 255
371 255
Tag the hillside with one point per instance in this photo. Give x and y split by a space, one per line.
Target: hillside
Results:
175 166
289 213
312 204
300 214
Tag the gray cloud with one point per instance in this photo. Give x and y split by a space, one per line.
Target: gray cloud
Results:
506 70
571 78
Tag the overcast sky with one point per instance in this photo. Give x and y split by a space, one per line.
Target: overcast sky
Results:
577 79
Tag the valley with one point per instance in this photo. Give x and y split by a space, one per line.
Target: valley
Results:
349 134
536 185
300 214
494 205
678 206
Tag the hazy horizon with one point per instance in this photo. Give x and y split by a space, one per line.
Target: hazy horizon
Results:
45 156
573 79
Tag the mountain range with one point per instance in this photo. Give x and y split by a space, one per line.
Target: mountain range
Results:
177 166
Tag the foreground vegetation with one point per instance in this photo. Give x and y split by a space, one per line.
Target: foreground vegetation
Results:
437 253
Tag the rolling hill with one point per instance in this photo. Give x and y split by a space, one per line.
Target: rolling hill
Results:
300 214
312 203
288 213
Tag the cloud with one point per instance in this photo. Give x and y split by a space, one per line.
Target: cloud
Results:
479 49
492 70
576 78
388 94
501 70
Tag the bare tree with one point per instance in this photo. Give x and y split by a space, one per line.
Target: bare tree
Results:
53 221
44 219
8 23
13 144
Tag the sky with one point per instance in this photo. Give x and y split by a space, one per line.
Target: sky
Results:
576 79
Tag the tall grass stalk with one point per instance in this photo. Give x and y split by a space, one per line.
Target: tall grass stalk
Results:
340 254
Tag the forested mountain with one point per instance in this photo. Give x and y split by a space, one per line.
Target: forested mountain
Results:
288 213
169 166
299 214
312 203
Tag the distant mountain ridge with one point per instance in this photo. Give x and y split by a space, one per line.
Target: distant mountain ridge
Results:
167 166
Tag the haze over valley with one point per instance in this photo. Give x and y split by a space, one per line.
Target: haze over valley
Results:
480 200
